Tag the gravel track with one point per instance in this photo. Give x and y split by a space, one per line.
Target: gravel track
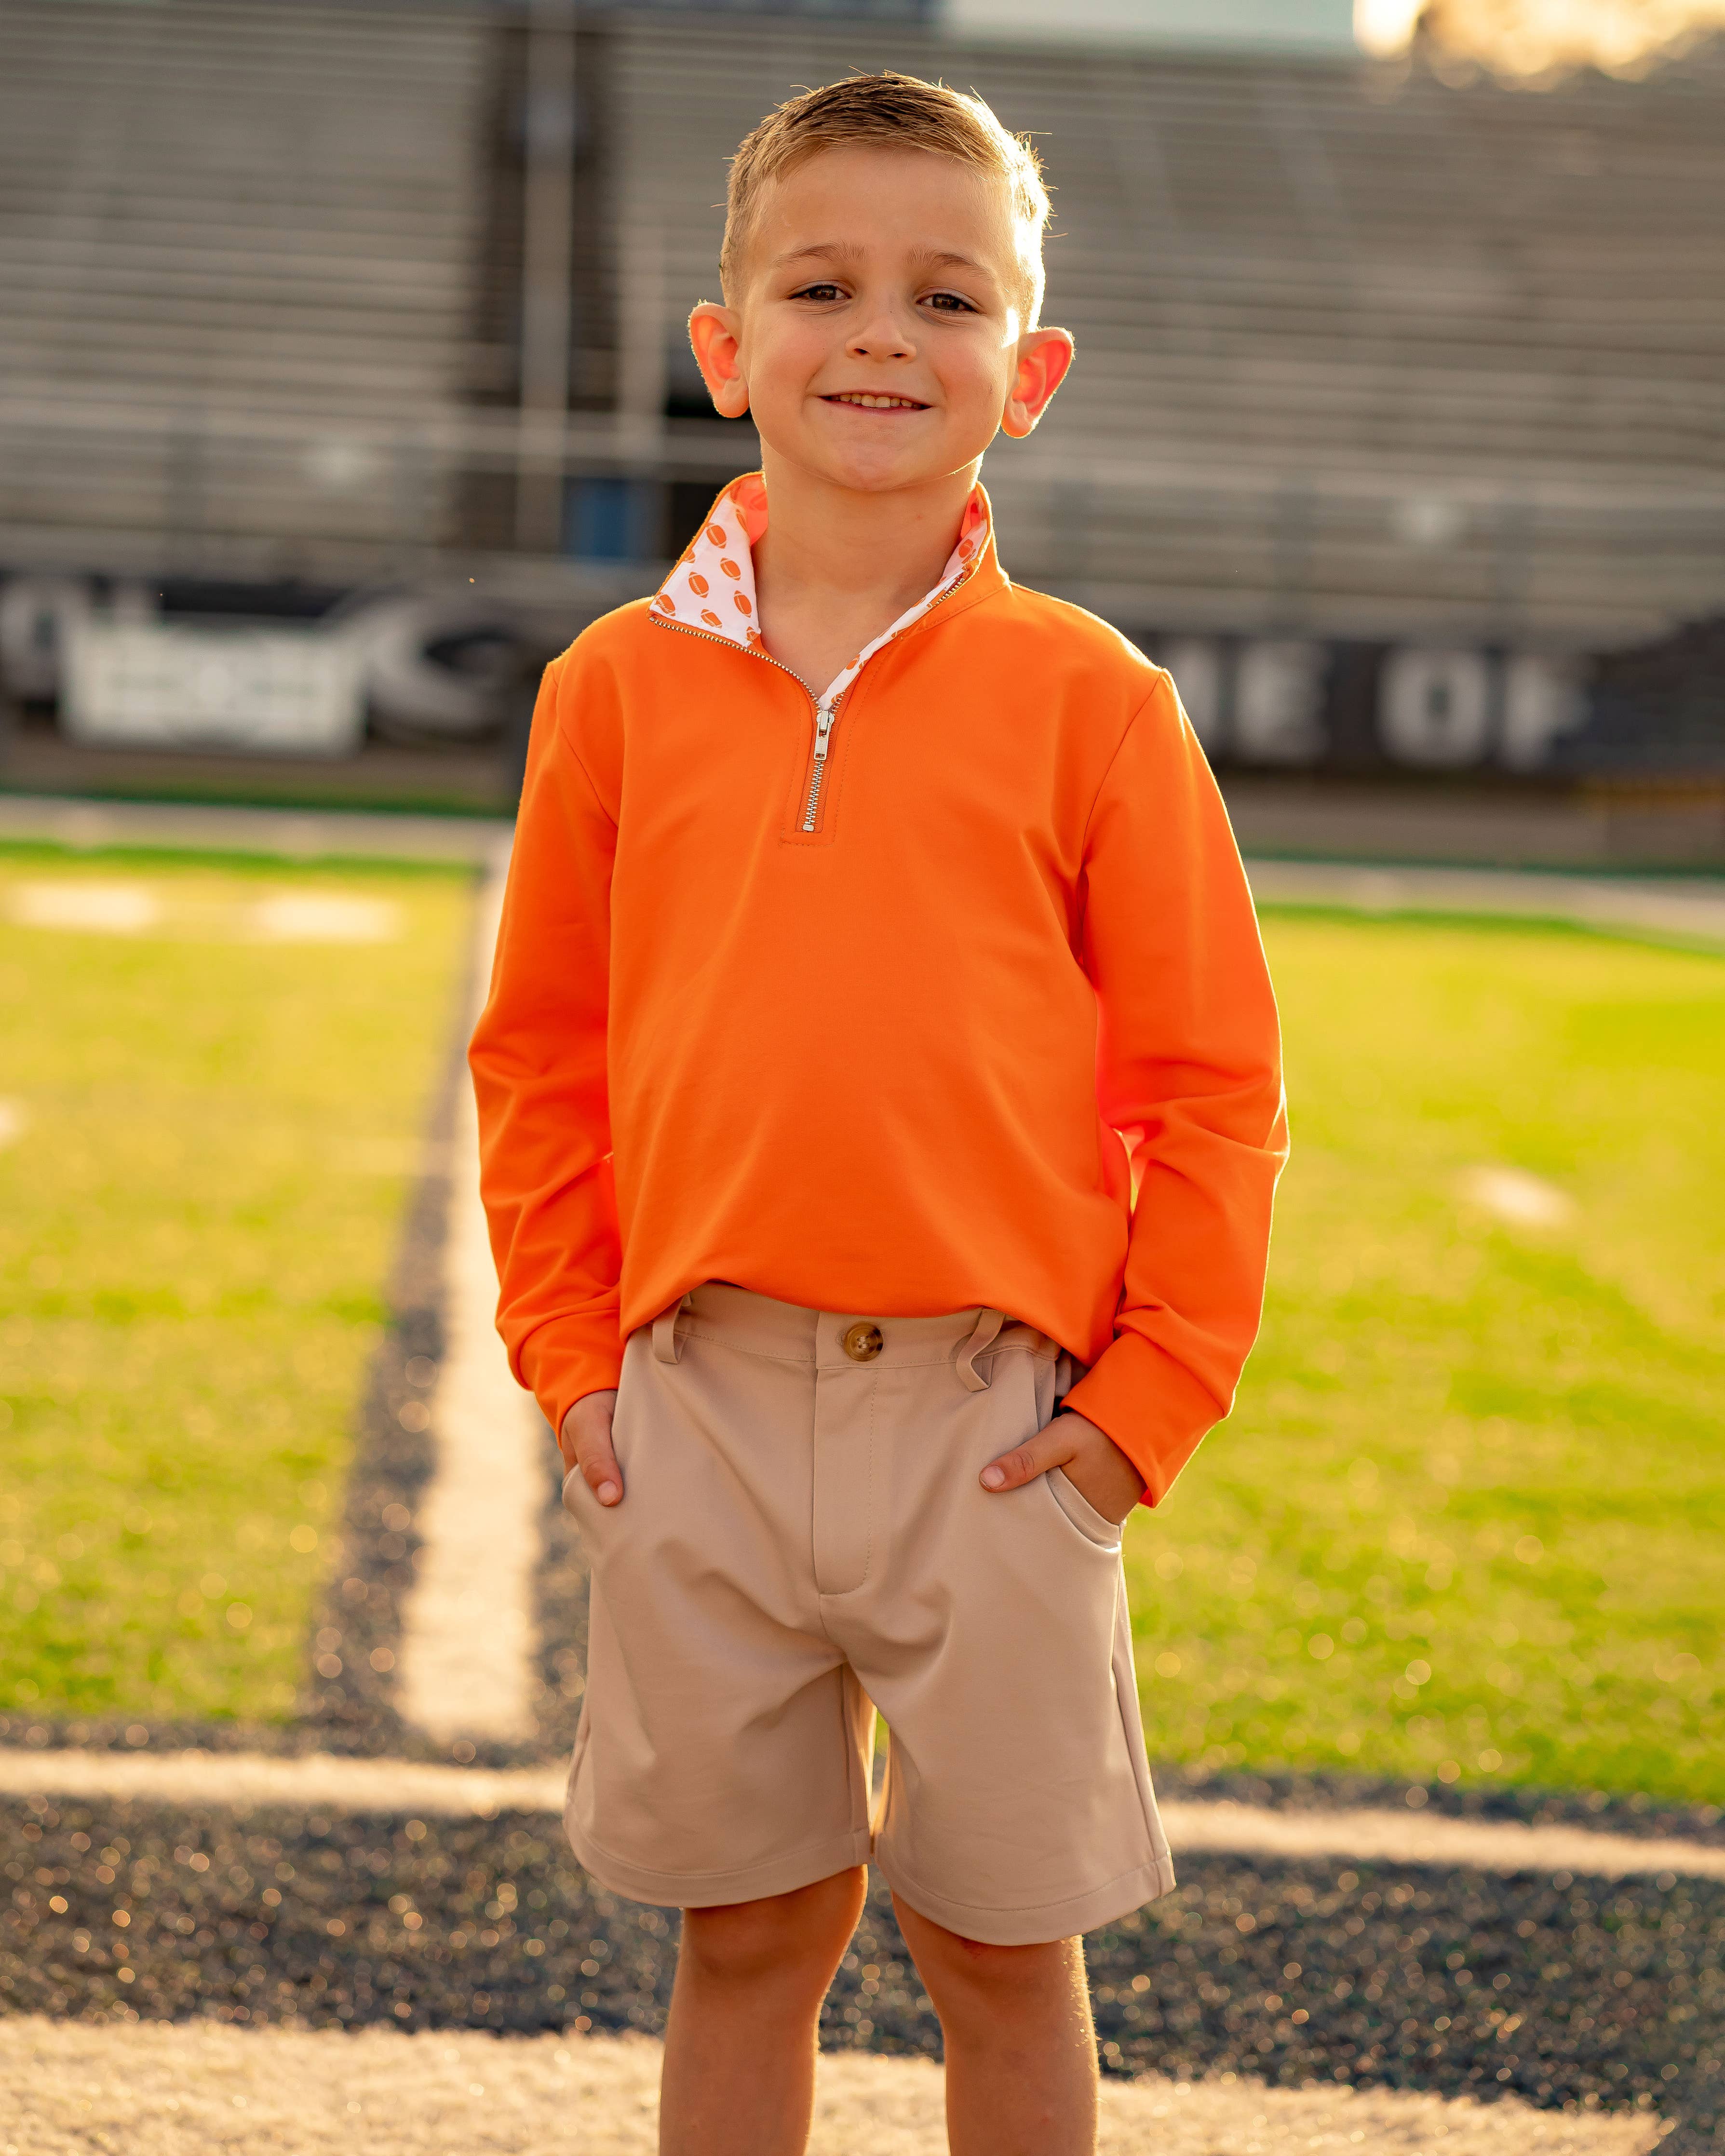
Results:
1610 1993
402 1787
67 2090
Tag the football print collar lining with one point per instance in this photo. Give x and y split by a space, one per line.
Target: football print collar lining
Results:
711 589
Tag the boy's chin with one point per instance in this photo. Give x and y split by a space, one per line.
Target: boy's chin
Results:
880 468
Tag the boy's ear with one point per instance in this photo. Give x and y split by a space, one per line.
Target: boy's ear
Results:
1043 358
716 335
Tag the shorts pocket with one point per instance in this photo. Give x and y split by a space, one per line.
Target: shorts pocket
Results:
1104 1533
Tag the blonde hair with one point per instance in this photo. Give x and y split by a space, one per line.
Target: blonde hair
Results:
886 111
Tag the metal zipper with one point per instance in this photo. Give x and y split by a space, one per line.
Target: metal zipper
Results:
748 651
825 713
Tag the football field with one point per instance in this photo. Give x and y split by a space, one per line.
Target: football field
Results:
1464 1525
1468 1521
214 1083
1463 1529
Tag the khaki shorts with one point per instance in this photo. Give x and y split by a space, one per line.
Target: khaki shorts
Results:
803 1539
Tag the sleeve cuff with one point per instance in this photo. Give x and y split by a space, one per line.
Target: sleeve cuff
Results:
564 1359
1154 1410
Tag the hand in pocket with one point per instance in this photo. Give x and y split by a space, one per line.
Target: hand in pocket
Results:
1093 1463
585 1442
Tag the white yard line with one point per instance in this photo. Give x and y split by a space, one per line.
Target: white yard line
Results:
1408 1837
468 1628
194 2089
398 1787
1692 908
315 1781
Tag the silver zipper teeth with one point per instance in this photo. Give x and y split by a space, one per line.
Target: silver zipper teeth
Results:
748 651
818 763
826 717
812 809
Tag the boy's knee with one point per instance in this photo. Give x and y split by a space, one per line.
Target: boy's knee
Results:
781 1934
996 1972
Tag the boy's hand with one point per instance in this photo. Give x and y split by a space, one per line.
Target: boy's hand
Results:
1093 1464
585 1442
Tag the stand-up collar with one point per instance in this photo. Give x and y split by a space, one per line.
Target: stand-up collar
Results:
711 589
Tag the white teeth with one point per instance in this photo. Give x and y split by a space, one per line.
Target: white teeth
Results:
877 404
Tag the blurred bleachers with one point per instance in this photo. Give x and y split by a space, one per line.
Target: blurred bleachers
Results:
1361 354
236 253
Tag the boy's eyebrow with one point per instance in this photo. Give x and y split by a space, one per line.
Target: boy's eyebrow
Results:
826 251
833 250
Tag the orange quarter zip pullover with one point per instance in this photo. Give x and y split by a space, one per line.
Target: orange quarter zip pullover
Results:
885 999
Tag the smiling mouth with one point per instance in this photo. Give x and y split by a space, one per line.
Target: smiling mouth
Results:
862 400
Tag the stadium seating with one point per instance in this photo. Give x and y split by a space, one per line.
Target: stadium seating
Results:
236 246
1362 353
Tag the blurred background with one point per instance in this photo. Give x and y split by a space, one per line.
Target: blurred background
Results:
343 353
342 381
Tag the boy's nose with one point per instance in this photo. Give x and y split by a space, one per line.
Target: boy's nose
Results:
882 339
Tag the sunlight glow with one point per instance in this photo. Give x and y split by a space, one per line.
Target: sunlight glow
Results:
1536 38
1383 27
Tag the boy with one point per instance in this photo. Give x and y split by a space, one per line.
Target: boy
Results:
874 929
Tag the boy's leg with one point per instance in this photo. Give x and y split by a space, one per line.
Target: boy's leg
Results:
1021 2047
739 2049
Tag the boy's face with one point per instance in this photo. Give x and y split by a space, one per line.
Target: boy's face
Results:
879 338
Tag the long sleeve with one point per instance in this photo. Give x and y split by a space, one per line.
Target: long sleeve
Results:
1190 1076
538 1058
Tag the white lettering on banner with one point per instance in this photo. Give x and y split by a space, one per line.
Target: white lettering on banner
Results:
1195 662
296 691
1434 707
1278 702
1542 701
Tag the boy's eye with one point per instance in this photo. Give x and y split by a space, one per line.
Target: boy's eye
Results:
818 292
950 303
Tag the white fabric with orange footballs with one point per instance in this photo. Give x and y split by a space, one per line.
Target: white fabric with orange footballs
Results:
711 590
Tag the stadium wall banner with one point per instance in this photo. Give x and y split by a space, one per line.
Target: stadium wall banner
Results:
1274 702
437 663
284 690
1655 711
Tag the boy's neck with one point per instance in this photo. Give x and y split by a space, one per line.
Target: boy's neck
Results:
836 566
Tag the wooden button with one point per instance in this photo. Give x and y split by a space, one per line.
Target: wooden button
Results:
862 1343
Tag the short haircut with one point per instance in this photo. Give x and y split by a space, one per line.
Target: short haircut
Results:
886 111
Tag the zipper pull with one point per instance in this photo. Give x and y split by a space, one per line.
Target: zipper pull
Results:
824 714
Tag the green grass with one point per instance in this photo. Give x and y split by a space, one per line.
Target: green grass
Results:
197 1219
1468 1520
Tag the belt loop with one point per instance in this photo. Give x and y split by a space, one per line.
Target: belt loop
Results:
989 1323
666 1345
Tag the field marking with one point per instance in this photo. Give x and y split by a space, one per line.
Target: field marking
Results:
1370 1836
469 1624
192 2089
95 906
1692 908
1524 1200
293 917
402 1788
311 1781
85 907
